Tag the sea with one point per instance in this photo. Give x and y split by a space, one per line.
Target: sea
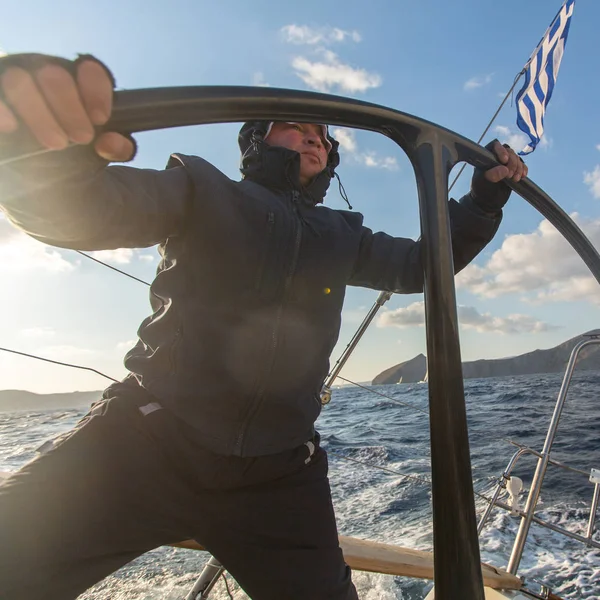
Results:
379 471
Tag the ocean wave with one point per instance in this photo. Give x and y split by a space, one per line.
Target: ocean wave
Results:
364 434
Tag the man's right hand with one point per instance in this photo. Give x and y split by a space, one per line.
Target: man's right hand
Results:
59 108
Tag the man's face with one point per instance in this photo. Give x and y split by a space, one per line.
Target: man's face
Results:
308 140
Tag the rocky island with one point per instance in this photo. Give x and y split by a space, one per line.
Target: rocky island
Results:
552 360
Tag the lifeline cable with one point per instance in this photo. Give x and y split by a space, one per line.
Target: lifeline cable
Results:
64 364
389 471
113 268
364 387
57 362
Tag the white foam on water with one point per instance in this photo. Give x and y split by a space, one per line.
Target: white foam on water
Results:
369 504
571 569
373 586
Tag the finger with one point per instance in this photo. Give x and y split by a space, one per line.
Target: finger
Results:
513 164
501 152
96 90
62 97
519 166
8 123
26 100
114 147
520 170
496 174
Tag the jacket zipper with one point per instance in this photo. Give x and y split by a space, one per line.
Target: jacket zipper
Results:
173 350
288 282
270 226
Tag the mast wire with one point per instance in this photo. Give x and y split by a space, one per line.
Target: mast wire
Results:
57 362
113 268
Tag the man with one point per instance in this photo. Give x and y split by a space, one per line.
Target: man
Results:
212 435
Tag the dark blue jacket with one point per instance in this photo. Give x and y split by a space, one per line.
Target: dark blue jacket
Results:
248 295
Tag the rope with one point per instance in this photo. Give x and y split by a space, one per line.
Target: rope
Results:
227 585
364 387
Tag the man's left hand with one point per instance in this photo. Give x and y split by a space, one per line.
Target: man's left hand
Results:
511 167
488 188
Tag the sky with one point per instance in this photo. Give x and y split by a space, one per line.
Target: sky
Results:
448 62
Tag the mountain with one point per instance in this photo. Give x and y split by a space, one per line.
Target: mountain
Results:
409 371
552 360
12 400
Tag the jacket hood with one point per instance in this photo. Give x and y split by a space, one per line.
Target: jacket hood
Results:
279 168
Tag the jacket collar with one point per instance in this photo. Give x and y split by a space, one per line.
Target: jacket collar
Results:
278 168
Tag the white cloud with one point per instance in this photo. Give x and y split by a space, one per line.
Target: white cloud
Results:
259 79
120 256
518 140
546 142
541 264
348 144
592 180
147 257
410 316
303 34
38 332
598 147
19 252
328 73
346 139
469 318
477 82
386 162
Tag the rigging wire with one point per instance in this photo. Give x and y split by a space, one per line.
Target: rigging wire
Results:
113 268
364 387
508 94
389 471
373 465
397 473
379 467
363 463
58 362
369 389
386 470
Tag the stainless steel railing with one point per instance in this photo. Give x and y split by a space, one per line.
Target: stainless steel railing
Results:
528 514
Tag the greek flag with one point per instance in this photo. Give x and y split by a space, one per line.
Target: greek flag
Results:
540 77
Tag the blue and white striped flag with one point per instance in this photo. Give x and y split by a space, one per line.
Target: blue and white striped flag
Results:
540 77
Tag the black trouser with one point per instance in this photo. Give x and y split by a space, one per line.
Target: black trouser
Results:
123 483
